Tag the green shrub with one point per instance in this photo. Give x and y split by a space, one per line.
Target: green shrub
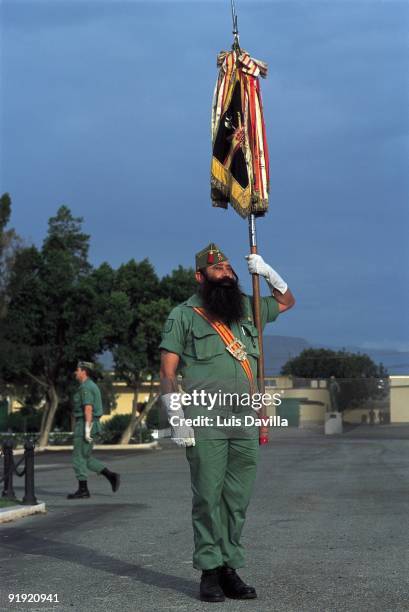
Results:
112 430
21 422
157 417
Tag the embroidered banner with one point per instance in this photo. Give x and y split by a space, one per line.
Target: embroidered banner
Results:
240 167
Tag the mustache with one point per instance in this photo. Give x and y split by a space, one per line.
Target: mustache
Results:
227 281
226 278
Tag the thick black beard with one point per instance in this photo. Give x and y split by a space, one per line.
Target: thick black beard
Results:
222 299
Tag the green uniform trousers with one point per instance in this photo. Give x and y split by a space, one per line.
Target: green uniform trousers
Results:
82 458
222 475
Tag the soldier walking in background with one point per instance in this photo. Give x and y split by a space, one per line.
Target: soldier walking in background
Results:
87 406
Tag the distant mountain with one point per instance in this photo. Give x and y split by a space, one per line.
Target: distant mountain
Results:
279 349
396 362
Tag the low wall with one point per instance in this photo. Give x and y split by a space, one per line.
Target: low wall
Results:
361 415
312 413
399 394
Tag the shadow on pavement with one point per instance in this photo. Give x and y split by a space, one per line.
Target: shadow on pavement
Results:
20 539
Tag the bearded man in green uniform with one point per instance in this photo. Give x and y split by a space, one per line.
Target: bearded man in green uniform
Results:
222 455
87 412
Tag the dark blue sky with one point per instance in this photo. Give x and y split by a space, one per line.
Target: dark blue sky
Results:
105 107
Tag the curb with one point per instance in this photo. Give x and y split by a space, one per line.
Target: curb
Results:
132 447
15 512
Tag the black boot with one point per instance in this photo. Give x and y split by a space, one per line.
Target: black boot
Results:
82 491
233 586
113 478
209 586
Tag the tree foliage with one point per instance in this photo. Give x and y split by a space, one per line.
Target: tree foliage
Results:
61 309
357 374
57 313
323 363
136 355
179 285
10 242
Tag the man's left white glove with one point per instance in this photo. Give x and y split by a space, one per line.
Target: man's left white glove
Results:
182 435
257 265
87 435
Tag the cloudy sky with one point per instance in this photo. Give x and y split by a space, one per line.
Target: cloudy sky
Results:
105 107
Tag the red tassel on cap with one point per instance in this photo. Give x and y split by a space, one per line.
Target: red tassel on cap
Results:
210 257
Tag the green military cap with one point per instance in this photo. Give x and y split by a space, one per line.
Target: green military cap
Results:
209 256
86 364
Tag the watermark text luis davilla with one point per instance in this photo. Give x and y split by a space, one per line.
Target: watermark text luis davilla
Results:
205 399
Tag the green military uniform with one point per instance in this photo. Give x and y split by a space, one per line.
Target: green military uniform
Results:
87 393
224 459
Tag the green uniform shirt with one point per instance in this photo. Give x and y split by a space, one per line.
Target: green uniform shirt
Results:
204 361
88 393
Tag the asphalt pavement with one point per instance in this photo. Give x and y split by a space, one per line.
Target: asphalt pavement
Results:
327 530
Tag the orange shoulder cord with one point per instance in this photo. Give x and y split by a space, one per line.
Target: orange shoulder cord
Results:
233 345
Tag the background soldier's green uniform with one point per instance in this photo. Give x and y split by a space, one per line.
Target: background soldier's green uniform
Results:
88 393
224 460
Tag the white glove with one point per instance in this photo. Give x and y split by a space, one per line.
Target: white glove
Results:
257 265
182 435
87 436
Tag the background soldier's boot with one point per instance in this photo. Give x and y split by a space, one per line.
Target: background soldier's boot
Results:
82 492
113 478
233 586
209 586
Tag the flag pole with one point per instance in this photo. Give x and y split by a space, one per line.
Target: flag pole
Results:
263 432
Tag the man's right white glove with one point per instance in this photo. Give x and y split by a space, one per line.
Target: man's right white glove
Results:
182 435
87 432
